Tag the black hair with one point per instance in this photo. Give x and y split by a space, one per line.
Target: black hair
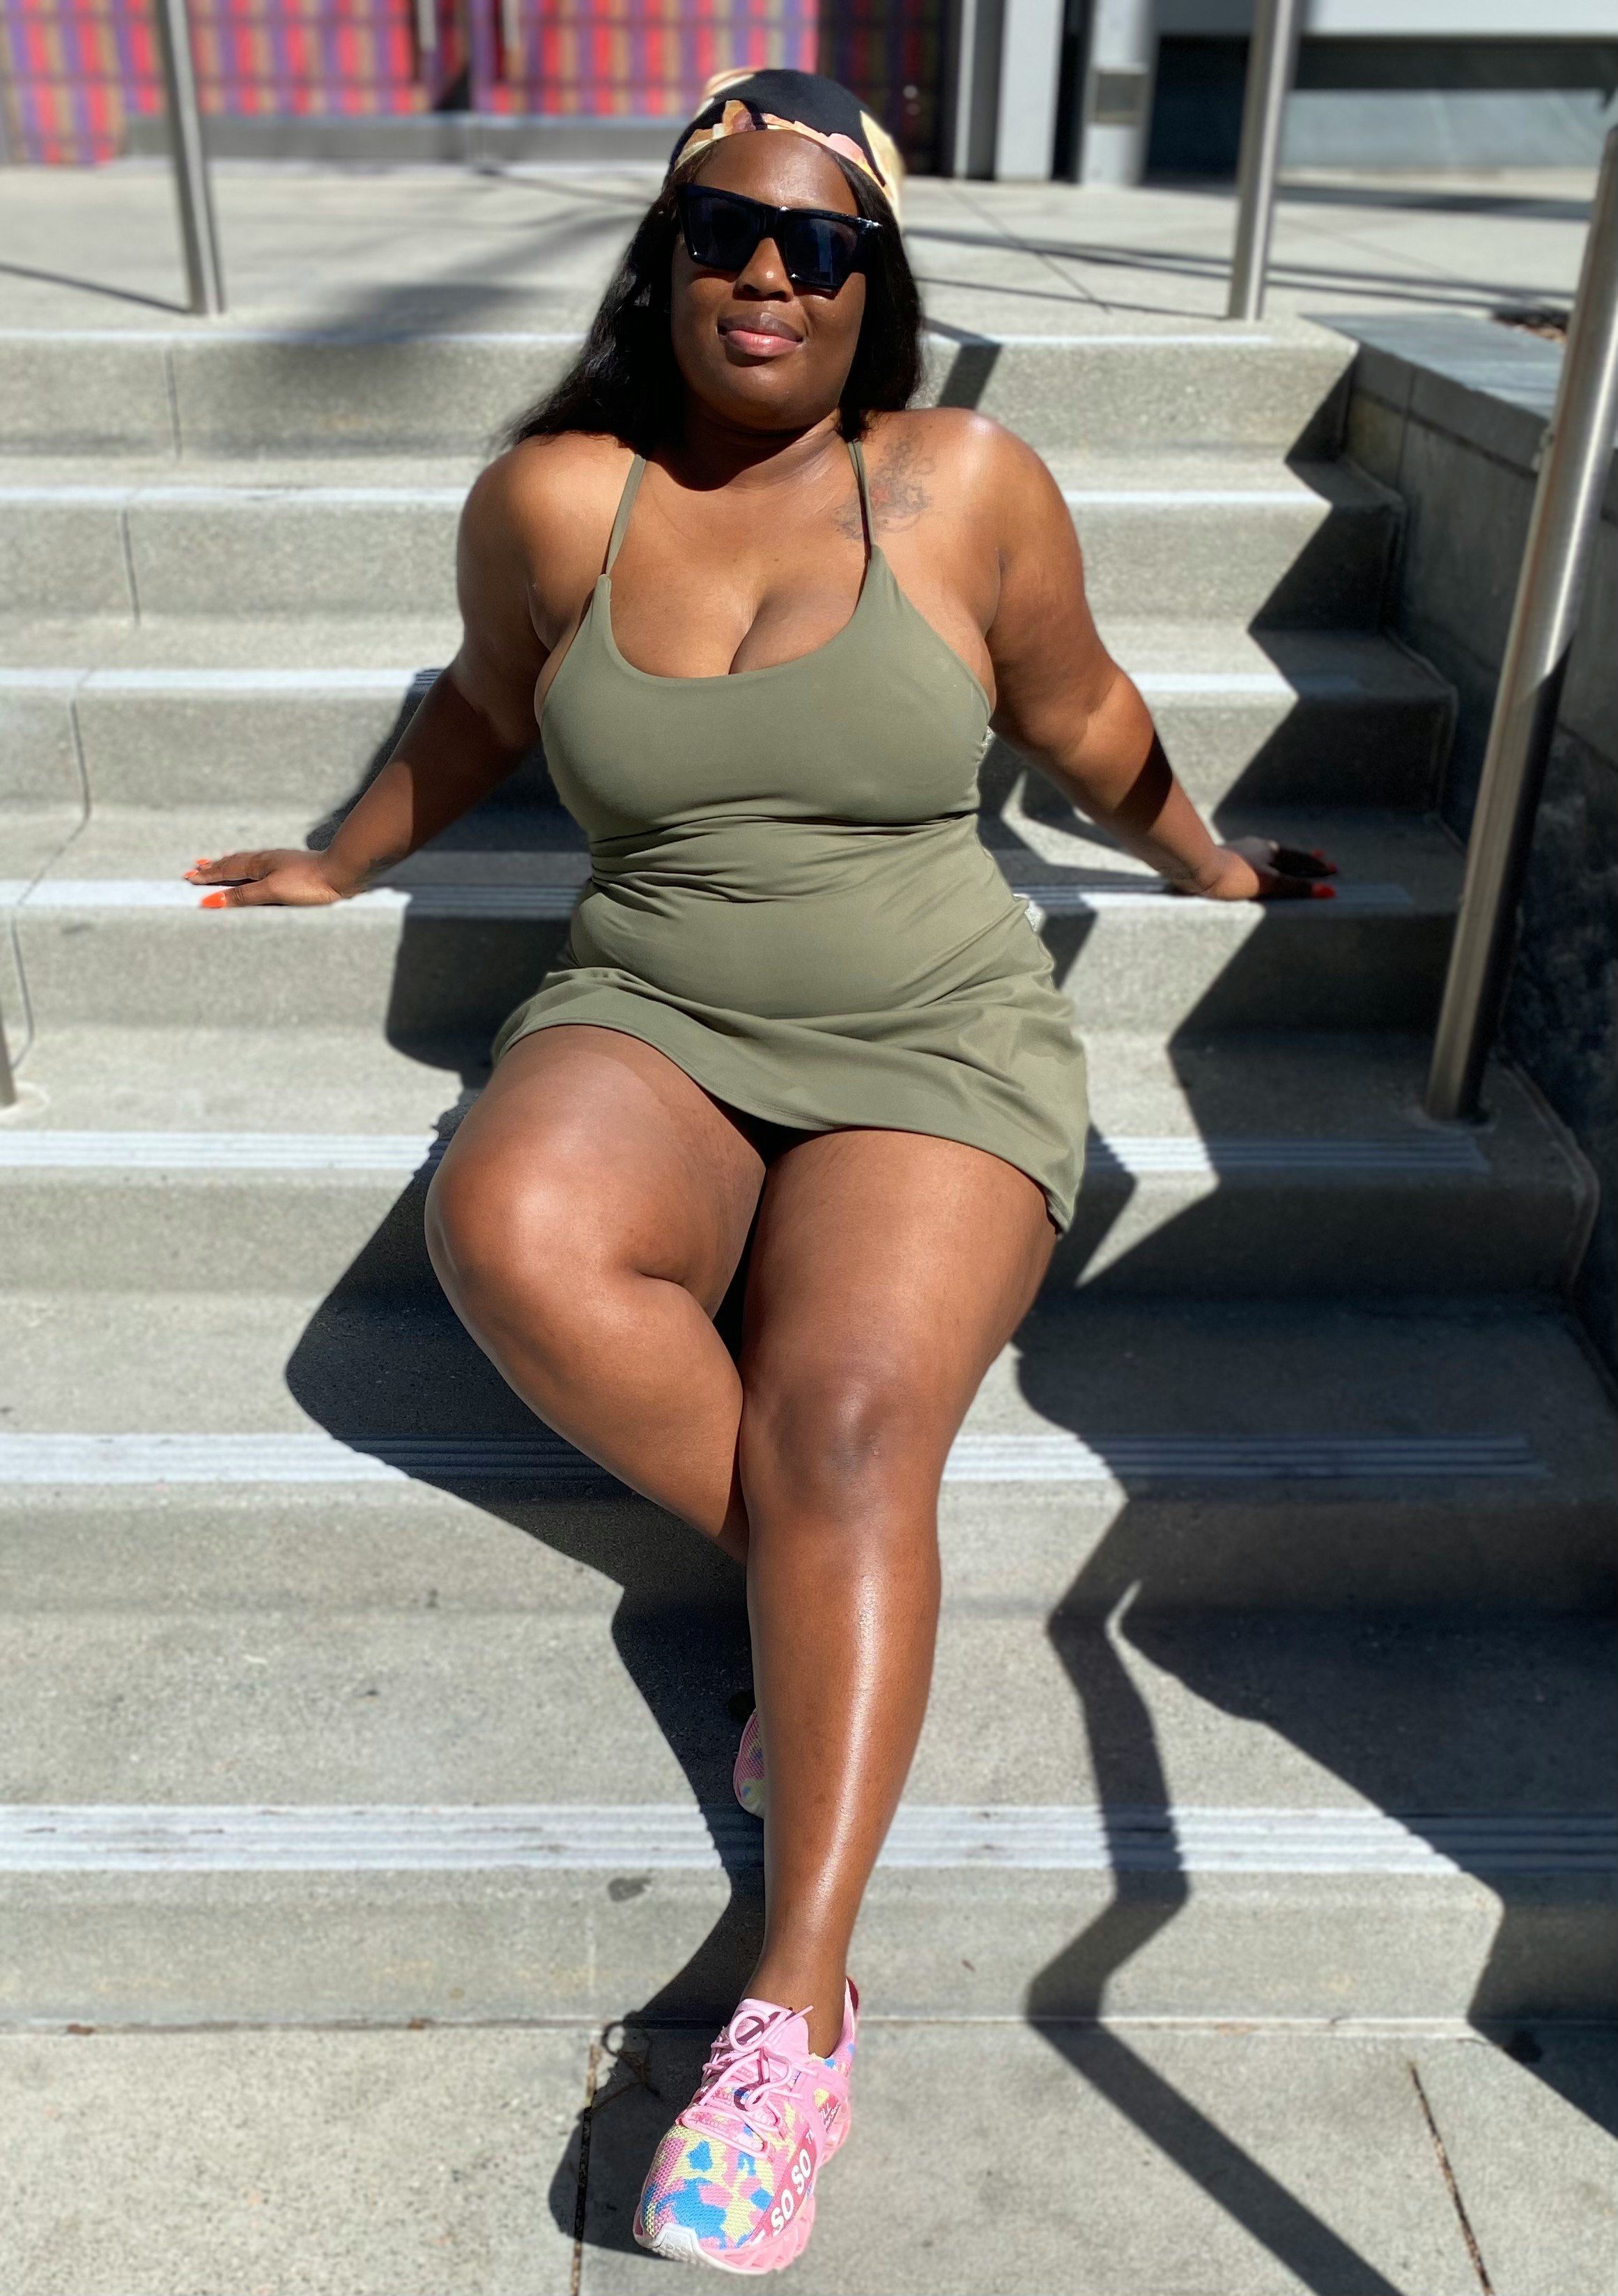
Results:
624 383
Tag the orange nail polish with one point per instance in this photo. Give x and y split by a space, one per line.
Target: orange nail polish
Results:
1323 892
213 901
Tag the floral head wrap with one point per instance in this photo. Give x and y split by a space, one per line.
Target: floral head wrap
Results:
804 104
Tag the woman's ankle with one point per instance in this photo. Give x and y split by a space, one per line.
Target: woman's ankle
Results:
820 1997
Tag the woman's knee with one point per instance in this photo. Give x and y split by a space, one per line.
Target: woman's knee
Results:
501 1238
848 1437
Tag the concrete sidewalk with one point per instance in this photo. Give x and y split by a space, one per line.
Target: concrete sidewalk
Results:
413 248
1180 2161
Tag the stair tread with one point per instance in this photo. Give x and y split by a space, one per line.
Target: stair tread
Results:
207 1361
1269 477
1337 664
61 648
390 1701
505 846
349 1083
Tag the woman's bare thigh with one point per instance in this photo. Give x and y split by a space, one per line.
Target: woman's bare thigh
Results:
586 1222
596 1147
888 1270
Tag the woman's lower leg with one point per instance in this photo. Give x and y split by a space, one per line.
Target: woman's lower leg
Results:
844 1605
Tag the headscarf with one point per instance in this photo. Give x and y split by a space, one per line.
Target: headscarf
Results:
804 104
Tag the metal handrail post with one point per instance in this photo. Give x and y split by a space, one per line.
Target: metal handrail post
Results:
8 1082
1575 462
1270 63
204 276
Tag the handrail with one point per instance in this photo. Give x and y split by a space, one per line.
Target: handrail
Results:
204 277
1575 463
8 1082
1271 59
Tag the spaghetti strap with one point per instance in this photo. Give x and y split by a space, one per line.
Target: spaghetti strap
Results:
626 503
858 453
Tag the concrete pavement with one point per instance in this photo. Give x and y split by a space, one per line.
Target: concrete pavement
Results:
526 249
986 2159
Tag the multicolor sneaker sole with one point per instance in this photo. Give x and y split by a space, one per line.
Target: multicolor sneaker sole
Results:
748 1775
732 2186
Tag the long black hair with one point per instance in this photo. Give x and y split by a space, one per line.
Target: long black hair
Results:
624 383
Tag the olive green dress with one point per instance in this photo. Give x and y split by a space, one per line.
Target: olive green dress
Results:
788 895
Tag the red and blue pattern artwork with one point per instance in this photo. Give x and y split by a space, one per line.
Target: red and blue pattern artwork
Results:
73 72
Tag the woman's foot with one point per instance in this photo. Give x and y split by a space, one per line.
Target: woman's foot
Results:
748 1777
733 2183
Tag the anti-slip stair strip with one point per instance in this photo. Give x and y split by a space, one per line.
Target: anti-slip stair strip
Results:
1137 1156
1159 681
517 903
1192 498
391 682
224 338
562 1837
1049 1456
247 494
254 493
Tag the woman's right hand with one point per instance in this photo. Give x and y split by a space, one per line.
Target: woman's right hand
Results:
286 878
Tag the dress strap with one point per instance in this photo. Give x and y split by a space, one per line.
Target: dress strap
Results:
626 503
857 452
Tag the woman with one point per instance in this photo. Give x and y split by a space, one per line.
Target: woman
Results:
768 614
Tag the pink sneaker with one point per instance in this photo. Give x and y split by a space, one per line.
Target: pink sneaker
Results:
748 1775
733 2183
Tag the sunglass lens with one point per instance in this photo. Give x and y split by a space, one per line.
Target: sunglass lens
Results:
819 250
720 232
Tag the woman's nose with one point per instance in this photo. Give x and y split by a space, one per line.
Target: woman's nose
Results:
765 273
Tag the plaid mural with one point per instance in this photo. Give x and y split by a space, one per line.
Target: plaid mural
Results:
73 71
629 59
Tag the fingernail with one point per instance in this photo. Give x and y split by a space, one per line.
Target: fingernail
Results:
213 901
1323 892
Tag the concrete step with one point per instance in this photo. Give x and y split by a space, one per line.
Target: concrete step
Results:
1195 537
236 1448
258 1816
169 713
1248 1166
1257 2162
251 391
1304 545
110 934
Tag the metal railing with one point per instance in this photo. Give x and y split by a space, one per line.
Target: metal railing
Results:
8 1082
1575 464
204 276
1271 62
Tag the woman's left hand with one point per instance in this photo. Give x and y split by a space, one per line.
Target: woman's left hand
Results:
1257 869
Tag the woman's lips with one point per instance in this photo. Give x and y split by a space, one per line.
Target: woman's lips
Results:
757 342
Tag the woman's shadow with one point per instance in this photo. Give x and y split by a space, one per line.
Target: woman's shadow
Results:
383 1360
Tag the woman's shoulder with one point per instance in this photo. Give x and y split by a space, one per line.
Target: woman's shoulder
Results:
549 489
946 459
538 516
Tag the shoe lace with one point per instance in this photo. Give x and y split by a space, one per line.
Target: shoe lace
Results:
743 2086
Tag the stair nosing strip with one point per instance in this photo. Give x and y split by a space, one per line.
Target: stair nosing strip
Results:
1053 1455
66 1838
516 902
1135 1155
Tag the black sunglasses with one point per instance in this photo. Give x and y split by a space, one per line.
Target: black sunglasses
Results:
818 247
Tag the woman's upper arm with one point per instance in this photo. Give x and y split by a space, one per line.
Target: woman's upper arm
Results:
1052 673
500 654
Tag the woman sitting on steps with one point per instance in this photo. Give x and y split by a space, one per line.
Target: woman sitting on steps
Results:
768 614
